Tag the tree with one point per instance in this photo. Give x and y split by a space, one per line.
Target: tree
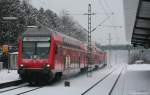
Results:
71 27
9 29
28 15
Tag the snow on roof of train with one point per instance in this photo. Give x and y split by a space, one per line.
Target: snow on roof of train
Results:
38 31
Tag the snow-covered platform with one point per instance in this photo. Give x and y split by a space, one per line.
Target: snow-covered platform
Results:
135 81
8 76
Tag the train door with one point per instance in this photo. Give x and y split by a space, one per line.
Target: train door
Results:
58 61
66 59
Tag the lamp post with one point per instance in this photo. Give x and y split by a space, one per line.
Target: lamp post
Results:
8 26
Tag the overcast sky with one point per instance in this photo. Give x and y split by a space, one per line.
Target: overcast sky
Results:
98 6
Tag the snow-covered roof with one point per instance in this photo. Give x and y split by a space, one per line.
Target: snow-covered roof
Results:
38 31
14 53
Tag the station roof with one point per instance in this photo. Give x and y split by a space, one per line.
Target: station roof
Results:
141 31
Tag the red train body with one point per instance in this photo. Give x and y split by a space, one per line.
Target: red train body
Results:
49 55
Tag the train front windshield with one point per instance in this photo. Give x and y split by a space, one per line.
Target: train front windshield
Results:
34 48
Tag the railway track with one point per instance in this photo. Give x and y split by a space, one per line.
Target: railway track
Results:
116 81
19 90
13 88
29 90
12 83
105 77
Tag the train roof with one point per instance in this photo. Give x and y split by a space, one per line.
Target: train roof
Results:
45 31
40 31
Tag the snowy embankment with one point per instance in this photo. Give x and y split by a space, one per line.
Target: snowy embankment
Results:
6 76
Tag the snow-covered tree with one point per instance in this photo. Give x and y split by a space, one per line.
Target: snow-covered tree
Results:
27 15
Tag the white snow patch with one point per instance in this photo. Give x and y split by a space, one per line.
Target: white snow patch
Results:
7 77
139 67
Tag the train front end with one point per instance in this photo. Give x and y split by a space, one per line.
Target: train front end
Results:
34 58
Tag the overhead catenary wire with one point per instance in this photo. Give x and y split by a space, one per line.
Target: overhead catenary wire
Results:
112 25
80 14
106 13
107 18
110 10
102 6
102 22
106 3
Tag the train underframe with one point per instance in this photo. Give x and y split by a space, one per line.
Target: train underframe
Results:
44 75
36 76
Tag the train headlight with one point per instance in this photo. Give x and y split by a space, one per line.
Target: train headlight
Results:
47 65
21 65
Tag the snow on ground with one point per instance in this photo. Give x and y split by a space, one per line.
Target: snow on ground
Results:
19 90
119 87
77 84
139 67
7 77
137 80
105 86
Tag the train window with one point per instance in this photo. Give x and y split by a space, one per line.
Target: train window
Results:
38 49
28 49
43 49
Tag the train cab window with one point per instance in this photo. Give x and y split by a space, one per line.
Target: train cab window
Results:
36 48
28 49
40 49
43 49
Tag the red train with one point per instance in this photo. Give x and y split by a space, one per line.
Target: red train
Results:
47 55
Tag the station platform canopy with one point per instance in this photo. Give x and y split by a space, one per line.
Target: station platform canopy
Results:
141 29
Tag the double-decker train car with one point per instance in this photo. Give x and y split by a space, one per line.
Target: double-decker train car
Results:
44 54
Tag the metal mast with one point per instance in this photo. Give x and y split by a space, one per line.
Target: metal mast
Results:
109 42
89 41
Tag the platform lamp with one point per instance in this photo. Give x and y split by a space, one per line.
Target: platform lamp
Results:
8 19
